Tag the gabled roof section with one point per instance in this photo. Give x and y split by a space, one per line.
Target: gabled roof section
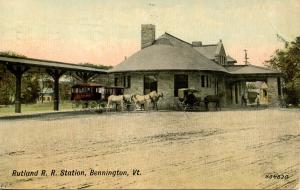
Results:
220 49
212 50
231 59
208 51
249 69
174 41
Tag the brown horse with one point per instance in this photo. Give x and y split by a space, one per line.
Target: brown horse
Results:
212 98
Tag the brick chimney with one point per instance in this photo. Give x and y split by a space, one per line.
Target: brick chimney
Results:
147 35
197 44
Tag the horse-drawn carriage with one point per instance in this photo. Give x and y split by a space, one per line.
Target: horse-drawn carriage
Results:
98 96
92 95
189 99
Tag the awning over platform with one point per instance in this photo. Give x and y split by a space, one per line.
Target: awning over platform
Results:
250 69
49 64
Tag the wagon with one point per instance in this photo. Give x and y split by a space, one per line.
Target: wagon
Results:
189 100
92 95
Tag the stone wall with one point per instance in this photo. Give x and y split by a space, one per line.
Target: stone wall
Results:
165 85
273 97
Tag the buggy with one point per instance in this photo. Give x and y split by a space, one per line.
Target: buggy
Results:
189 100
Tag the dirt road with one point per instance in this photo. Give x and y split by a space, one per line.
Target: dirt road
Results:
228 149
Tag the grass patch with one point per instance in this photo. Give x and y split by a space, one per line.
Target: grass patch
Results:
35 108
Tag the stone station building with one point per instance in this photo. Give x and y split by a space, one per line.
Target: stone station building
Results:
167 63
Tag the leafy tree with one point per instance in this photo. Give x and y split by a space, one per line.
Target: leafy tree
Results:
97 66
7 80
287 61
45 84
11 54
30 86
7 87
251 85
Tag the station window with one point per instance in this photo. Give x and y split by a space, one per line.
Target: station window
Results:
205 81
116 81
180 81
150 83
127 81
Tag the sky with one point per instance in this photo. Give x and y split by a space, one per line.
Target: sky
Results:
105 31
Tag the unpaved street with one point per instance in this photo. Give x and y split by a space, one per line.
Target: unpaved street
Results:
228 149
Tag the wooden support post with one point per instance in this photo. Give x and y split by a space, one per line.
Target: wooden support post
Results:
56 74
18 93
84 76
18 71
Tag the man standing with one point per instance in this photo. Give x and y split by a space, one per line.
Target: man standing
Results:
257 100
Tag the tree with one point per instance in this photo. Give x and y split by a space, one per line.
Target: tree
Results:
7 87
7 80
96 66
30 86
45 84
287 61
11 54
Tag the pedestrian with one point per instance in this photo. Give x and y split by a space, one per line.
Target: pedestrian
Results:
244 101
257 101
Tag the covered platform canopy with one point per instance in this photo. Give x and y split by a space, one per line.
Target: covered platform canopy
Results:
18 66
250 73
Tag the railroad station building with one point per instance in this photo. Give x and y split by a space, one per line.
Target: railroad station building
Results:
167 63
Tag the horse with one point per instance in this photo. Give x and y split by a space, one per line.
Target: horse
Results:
127 99
154 96
141 100
118 100
212 98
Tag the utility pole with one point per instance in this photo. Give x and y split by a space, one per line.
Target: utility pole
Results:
246 57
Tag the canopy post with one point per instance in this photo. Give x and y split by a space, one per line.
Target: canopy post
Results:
17 71
56 74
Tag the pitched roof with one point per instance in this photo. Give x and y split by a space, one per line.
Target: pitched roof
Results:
167 57
208 51
249 69
171 53
174 41
168 53
230 59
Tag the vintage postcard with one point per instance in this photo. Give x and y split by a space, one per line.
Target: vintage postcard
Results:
149 94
